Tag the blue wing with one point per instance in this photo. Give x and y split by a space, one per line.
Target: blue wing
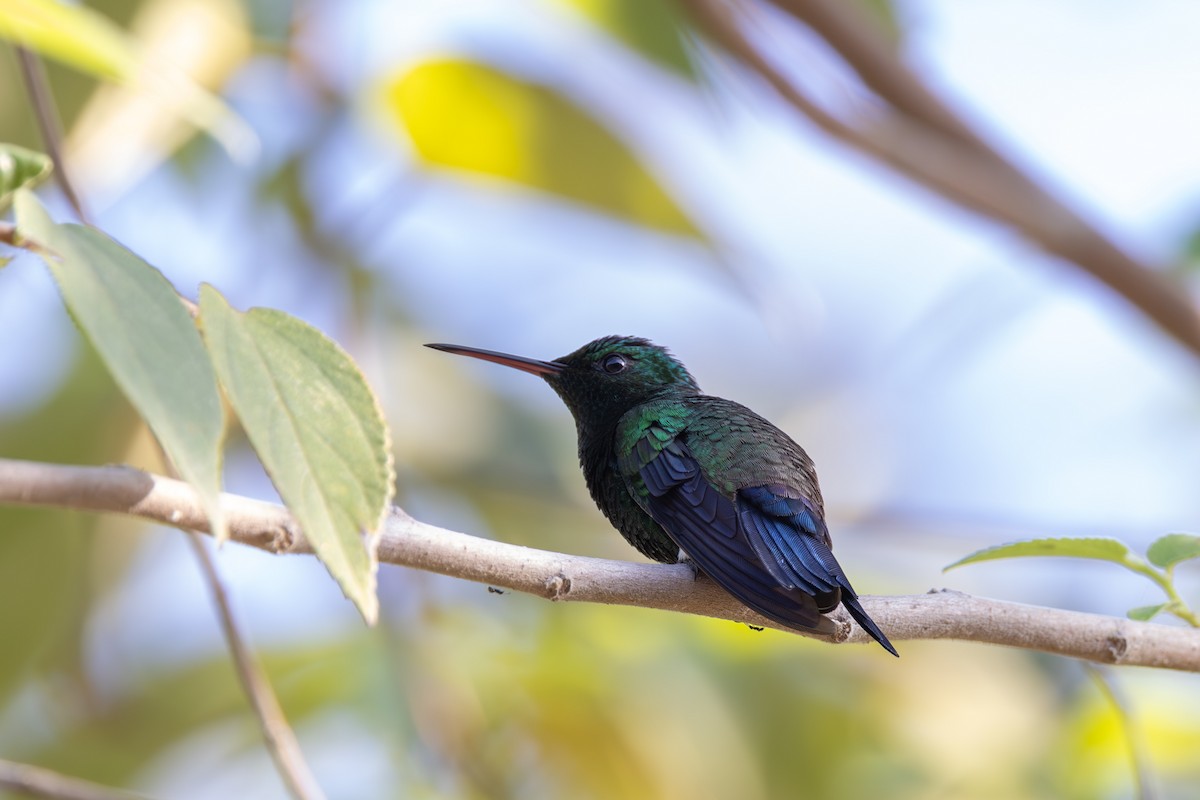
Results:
768 547
704 523
792 541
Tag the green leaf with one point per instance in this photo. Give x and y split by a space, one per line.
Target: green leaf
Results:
1169 550
1146 613
20 167
1097 548
146 339
466 116
90 42
317 428
654 28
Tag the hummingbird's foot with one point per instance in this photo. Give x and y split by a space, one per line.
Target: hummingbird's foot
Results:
686 560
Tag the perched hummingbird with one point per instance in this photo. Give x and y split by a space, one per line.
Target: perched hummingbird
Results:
683 474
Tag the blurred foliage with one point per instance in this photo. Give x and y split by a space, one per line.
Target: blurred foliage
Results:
1095 757
45 584
654 28
123 132
72 34
1165 553
91 42
472 117
462 693
163 710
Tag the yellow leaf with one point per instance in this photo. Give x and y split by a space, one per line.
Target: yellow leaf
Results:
467 116
90 42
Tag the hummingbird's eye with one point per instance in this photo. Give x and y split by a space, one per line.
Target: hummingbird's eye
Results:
614 364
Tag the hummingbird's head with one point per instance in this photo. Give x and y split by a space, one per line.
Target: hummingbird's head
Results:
603 379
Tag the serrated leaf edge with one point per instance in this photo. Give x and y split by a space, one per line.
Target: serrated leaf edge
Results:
977 556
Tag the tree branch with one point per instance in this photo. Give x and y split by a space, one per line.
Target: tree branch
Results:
918 134
555 576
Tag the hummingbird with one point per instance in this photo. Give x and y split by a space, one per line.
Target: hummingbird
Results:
686 476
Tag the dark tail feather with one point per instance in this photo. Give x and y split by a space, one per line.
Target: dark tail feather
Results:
860 616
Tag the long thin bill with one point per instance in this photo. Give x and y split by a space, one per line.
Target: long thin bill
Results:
516 362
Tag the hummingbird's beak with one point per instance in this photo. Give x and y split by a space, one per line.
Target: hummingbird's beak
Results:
543 368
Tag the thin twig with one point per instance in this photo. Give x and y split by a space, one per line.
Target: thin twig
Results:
33 72
278 735
40 782
280 740
1139 757
556 576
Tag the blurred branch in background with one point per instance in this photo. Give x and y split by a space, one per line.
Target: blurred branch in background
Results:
278 735
556 576
920 135
33 72
1139 755
38 782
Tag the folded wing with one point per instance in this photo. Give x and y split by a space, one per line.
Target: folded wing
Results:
704 523
768 546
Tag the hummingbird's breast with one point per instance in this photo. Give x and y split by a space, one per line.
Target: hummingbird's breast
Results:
597 458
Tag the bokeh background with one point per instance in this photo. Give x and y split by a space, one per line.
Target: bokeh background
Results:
956 387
